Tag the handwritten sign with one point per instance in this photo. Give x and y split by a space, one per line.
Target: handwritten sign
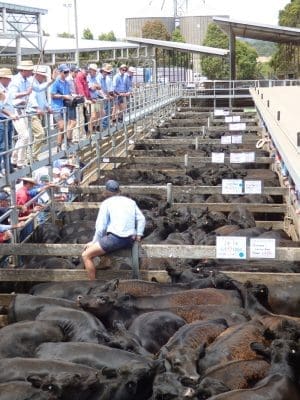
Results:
231 247
232 186
226 139
262 248
233 118
221 113
237 126
217 158
253 187
237 139
243 157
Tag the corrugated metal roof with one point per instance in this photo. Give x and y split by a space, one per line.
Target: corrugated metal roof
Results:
22 9
64 45
185 47
270 33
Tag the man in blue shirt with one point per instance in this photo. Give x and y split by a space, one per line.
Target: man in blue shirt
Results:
61 91
119 223
121 90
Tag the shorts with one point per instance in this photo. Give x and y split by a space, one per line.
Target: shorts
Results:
96 107
111 242
120 99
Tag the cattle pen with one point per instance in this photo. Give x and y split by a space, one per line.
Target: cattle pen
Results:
216 197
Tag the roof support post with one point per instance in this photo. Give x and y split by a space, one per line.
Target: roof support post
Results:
232 54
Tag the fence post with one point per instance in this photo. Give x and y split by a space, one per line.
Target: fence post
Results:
169 193
135 262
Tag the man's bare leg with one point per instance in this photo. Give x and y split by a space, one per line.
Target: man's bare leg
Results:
91 251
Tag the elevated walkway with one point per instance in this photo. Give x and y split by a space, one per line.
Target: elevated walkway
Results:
279 110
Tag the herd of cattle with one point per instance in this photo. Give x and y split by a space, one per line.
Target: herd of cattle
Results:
203 335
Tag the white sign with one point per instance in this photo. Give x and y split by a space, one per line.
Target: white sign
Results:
105 160
232 186
226 139
233 118
237 127
131 141
220 113
262 248
217 158
231 247
252 187
244 157
236 118
64 190
237 139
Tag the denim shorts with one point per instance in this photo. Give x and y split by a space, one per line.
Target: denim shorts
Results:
111 242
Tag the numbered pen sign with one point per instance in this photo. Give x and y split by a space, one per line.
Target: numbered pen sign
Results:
221 113
232 186
231 247
262 248
217 158
244 157
105 160
233 118
253 187
226 139
237 126
237 139
131 141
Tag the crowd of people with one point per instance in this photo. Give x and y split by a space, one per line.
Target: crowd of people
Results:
82 101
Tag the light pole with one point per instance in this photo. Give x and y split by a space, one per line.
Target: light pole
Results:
68 6
76 33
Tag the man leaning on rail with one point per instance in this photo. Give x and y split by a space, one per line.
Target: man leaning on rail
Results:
119 223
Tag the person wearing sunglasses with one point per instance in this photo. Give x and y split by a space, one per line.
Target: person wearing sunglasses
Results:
122 92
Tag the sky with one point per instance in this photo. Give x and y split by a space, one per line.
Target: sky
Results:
104 16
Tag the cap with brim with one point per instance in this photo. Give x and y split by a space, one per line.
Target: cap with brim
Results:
63 68
30 180
74 68
112 186
5 73
4 196
26 65
123 66
132 69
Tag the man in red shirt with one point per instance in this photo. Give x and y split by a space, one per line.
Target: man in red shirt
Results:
82 88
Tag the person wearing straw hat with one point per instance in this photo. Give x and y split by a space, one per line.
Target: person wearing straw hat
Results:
6 127
95 97
106 91
20 88
38 106
119 223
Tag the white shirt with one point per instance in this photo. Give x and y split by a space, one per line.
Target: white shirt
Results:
121 216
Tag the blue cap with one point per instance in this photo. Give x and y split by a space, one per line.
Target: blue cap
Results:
74 68
112 186
63 68
4 195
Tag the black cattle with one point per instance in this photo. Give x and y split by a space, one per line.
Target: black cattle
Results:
65 380
242 217
167 386
281 383
112 306
93 355
18 390
27 307
155 328
64 290
77 325
22 338
181 353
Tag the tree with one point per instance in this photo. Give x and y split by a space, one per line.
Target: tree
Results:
177 36
285 60
65 35
87 34
110 36
155 30
217 67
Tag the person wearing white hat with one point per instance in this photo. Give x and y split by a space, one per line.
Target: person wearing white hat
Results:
38 106
106 91
6 126
95 97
